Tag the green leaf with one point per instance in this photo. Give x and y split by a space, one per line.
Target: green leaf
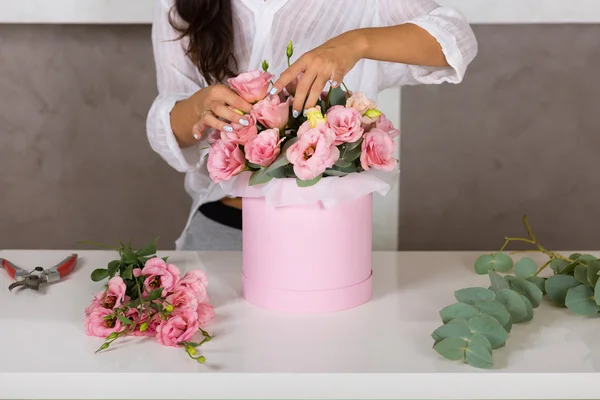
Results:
529 315
586 258
597 292
99 274
525 267
353 145
593 269
502 262
113 267
494 309
259 177
508 326
282 159
289 171
581 274
336 97
484 264
148 250
124 320
456 329
569 268
155 294
351 155
130 257
452 348
557 287
308 183
539 282
157 306
133 303
497 281
490 328
575 256
477 354
278 173
458 310
580 300
558 265
513 302
165 258
527 289
343 163
334 172
127 272
474 294
253 166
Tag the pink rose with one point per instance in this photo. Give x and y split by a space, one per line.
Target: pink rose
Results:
241 134
361 103
95 303
264 148
251 86
153 324
205 313
225 159
179 328
116 292
159 274
97 325
346 123
272 112
386 125
134 315
305 127
378 151
196 281
182 299
314 152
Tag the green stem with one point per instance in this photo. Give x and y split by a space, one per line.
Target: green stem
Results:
345 87
543 266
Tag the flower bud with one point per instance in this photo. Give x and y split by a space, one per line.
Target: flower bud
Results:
315 117
373 114
112 336
143 326
290 50
265 65
169 308
191 351
201 359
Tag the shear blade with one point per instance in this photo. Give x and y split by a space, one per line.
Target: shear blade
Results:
14 285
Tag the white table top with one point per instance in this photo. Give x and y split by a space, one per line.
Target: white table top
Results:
380 350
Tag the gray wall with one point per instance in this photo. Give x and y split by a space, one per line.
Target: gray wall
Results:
74 160
521 135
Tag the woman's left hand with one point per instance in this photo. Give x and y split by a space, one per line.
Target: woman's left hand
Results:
329 62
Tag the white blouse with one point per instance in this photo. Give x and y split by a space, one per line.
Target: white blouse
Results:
263 30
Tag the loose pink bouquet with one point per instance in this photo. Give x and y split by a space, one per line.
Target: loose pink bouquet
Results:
344 133
146 296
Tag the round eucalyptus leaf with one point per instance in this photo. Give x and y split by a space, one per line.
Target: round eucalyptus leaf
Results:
458 310
580 274
494 309
580 300
456 329
586 258
508 326
593 269
597 292
472 295
539 282
527 289
529 315
452 348
490 328
497 281
569 268
513 302
525 267
574 256
484 264
557 287
558 265
477 352
502 262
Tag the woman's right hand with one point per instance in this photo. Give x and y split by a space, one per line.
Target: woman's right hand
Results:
217 107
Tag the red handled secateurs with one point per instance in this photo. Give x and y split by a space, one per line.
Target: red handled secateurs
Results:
33 279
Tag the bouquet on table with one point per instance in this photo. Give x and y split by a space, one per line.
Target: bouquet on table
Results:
146 296
344 133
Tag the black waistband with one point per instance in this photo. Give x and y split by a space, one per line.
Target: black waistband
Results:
223 214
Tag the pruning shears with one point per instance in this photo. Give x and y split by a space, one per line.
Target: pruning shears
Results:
33 279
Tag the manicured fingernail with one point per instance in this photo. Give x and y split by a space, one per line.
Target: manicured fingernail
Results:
334 83
295 114
273 91
227 128
196 136
304 113
244 122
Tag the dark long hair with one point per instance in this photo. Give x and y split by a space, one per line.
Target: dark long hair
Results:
208 25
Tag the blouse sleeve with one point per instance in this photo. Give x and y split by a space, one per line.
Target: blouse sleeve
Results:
448 26
177 79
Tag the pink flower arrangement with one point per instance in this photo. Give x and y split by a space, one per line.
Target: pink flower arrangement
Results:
344 133
150 298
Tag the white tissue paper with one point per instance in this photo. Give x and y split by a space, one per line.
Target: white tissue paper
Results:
330 190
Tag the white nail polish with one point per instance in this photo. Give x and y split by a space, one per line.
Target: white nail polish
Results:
273 91
196 136
227 128
295 114
304 113
244 122
334 83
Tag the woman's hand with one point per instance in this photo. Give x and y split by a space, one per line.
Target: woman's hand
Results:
329 62
219 107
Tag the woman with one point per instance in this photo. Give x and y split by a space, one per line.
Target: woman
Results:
198 44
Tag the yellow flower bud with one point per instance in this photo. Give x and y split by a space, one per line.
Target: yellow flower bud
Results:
373 114
169 308
315 117
191 351
143 326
